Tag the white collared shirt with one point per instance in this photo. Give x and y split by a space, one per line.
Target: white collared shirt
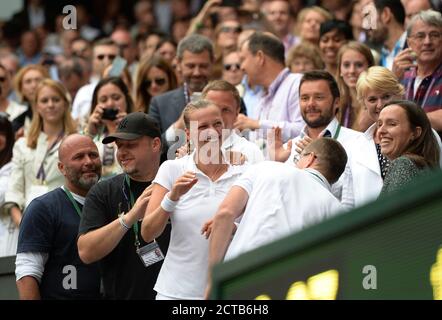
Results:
282 200
342 189
184 271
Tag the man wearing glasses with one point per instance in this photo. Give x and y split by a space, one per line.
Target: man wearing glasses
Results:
104 52
421 65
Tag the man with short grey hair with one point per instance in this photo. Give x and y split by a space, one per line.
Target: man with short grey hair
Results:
195 56
420 66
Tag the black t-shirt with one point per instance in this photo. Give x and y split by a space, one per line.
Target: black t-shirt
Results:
50 225
124 274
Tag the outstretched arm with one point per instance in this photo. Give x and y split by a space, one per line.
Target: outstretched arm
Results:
223 224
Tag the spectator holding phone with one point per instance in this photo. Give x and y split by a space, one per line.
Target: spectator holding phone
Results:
111 102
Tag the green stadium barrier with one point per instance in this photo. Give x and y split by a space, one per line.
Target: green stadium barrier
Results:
8 289
388 249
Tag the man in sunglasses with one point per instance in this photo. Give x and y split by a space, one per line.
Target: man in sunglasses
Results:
232 72
104 52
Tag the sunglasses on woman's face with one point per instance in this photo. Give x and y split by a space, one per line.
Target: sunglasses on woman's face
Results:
109 56
158 82
231 29
233 67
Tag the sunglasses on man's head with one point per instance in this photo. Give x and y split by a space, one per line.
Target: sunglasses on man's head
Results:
158 82
233 66
109 56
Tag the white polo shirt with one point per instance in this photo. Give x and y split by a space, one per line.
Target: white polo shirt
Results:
282 200
184 271
342 189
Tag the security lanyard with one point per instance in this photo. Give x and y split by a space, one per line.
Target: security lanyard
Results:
338 130
41 174
71 198
131 202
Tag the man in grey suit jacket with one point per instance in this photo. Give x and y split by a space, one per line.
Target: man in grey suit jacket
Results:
195 60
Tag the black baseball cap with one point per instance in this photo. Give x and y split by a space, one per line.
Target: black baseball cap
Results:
134 126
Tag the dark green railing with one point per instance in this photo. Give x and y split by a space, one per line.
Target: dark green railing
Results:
387 249
8 290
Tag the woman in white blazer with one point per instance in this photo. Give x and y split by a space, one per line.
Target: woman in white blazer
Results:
35 157
375 87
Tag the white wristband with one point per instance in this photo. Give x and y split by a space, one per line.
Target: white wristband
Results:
123 224
167 204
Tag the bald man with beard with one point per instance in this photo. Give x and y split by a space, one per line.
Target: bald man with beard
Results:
47 264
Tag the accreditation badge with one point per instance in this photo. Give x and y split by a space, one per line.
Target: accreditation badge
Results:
150 254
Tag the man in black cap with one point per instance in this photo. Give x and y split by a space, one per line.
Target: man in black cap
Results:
111 222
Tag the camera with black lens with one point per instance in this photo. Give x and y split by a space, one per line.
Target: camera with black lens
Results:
109 114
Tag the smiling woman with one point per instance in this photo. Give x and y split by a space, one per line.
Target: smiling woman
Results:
375 88
35 158
353 59
111 102
189 191
406 138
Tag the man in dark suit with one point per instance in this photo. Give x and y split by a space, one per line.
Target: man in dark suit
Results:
195 60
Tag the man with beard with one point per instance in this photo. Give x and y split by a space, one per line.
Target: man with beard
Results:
110 226
47 264
319 103
195 60
389 30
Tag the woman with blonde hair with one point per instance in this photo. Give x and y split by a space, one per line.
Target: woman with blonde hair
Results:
188 191
353 59
35 158
375 87
26 82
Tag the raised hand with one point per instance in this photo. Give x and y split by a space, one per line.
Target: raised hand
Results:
403 61
140 205
182 185
275 146
303 143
